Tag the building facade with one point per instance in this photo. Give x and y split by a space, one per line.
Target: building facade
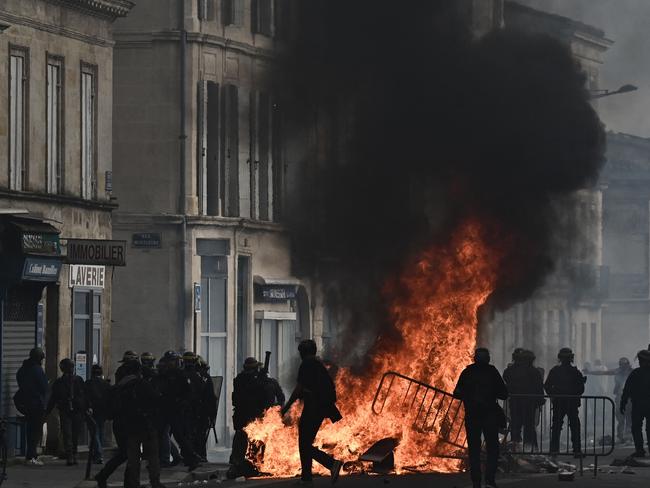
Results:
567 310
626 229
56 66
200 165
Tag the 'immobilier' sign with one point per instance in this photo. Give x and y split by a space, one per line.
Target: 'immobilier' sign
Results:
97 252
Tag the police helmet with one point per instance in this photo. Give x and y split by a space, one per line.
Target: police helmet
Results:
251 363
96 370
129 356
623 362
147 359
516 354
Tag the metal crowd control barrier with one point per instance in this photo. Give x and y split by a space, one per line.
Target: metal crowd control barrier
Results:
433 410
534 415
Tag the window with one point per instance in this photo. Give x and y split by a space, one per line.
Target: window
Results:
233 12
88 132
54 124
262 17
18 127
206 9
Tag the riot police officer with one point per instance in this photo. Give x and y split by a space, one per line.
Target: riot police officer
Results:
637 388
207 413
565 379
248 401
175 400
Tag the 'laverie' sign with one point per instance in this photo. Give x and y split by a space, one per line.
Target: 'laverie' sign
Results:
87 276
96 252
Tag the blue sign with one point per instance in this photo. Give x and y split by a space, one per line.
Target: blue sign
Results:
41 269
197 297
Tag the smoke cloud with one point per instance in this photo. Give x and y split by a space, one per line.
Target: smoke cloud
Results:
421 127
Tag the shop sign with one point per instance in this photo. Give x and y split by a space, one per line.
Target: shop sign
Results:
96 252
41 269
40 243
87 276
275 293
147 240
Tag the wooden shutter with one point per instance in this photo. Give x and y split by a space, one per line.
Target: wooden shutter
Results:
202 145
227 11
213 169
230 151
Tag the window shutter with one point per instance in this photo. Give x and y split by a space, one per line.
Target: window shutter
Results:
202 146
227 11
253 155
230 151
203 9
213 166
255 16
265 14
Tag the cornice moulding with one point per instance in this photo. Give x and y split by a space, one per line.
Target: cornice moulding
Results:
108 9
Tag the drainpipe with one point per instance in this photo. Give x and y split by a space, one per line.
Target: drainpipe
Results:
182 165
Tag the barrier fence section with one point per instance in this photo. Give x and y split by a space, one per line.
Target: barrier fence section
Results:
429 409
537 425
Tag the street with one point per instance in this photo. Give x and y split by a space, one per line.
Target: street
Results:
56 475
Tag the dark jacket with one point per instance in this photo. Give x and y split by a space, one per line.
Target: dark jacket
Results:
248 399
523 379
479 386
97 395
32 385
68 395
637 388
273 391
134 403
565 379
318 391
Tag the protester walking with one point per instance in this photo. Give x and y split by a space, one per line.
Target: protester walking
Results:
30 401
479 387
316 389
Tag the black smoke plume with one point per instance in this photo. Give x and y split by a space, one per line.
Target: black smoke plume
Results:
420 126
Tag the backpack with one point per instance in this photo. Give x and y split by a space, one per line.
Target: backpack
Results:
19 402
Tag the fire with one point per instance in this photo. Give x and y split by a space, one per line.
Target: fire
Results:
433 305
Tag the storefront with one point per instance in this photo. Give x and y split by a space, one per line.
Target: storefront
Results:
30 261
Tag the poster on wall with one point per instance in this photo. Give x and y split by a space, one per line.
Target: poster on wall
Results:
81 364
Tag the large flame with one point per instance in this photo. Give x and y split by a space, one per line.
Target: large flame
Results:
434 305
